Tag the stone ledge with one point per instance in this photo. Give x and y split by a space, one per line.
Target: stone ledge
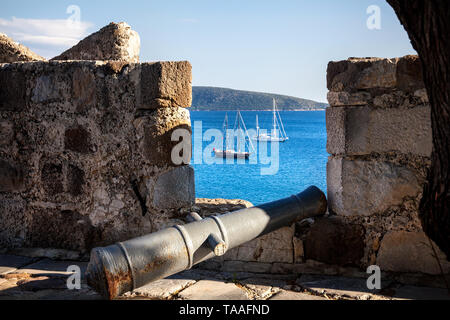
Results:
82 85
357 74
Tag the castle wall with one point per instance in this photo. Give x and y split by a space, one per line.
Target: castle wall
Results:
380 142
84 151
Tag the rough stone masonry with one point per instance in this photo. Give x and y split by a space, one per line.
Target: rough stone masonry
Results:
85 147
380 141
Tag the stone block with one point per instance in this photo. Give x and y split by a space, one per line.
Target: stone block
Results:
366 187
165 84
11 177
356 74
175 189
12 221
276 246
213 290
363 130
403 251
162 289
157 130
333 241
13 93
6 132
52 178
11 51
77 139
361 73
116 41
292 295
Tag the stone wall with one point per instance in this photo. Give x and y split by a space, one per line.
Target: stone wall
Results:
380 141
83 154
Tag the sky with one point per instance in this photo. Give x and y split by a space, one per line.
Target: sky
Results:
278 46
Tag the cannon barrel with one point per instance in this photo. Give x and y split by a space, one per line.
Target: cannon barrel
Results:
124 266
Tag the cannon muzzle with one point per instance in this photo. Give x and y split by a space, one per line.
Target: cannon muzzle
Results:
124 266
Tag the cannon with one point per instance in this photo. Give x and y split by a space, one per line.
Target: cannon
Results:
124 266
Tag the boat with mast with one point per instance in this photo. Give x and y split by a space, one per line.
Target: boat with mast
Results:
277 123
240 152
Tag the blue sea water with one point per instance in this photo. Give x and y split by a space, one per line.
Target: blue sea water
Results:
302 159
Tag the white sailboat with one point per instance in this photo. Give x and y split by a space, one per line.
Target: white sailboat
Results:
277 122
226 152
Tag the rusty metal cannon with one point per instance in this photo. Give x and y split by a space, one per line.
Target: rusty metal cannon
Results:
124 266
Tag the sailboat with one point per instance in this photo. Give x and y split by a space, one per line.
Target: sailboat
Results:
228 152
277 122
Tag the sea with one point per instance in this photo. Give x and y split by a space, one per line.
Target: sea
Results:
301 160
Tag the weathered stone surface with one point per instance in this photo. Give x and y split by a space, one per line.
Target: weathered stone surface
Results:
157 130
162 289
50 253
299 252
260 288
246 266
337 99
333 241
207 207
420 293
165 84
116 41
403 251
48 267
77 139
361 73
174 189
276 246
12 221
337 286
79 177
409 73
292 295
9 263
12 90
363 130
11 177
11 51
66 229
359 187
6 132
213 290
375 73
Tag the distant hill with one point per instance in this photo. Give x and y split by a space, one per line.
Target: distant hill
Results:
212 98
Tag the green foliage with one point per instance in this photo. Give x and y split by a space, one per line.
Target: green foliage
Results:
212 98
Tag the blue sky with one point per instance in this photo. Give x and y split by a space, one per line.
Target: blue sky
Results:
269 46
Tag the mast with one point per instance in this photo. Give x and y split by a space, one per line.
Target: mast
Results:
257 126
239 130
225 130
274 119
